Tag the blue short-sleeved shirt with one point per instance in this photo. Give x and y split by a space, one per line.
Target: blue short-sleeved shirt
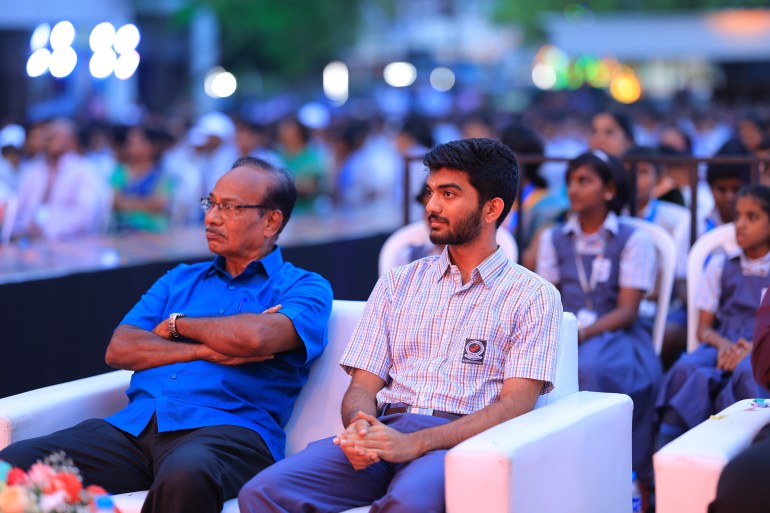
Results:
258 396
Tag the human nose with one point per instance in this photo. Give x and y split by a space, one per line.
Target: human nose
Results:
432 204
214 213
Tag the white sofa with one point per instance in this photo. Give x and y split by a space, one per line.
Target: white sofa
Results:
572 454
687 470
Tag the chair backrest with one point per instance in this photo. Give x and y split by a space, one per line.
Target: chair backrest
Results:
666 251
317 410
8 218
393 250
566 378
721 237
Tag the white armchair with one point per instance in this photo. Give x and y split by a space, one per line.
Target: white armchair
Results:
666 253
721 237
687 470
573 453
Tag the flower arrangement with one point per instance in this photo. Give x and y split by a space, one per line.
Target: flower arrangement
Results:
53 485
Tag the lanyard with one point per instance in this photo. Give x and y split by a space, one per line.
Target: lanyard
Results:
588 284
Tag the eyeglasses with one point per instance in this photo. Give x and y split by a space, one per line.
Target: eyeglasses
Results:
227 209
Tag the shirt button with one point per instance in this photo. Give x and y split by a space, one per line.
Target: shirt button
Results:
231 287
221 310
173 376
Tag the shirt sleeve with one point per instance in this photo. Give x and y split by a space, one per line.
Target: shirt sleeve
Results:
638 263
536 338
760 354
710 288
368 348
308 303
547 262
151 308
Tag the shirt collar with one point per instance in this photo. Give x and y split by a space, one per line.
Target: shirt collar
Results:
736 252
610 224
486 270
269 264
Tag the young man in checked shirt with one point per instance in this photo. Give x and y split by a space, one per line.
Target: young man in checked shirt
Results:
447 347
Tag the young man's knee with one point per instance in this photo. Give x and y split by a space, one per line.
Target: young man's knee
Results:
260 493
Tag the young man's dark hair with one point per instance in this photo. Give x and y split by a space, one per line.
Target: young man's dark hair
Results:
491 167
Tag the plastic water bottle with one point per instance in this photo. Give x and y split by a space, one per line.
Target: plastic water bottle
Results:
636 495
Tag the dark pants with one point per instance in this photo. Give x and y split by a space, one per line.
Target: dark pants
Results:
320 479
743 484
187 471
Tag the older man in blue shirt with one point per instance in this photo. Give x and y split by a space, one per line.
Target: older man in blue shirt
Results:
220 351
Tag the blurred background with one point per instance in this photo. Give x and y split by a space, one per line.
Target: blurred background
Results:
123 60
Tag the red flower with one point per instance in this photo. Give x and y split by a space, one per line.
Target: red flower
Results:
16 476
67 482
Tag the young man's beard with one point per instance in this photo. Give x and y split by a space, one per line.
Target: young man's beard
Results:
466 229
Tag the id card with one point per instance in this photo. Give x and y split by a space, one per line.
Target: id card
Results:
585 318
600 269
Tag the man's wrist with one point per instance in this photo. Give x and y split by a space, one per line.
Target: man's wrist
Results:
419 441
172 325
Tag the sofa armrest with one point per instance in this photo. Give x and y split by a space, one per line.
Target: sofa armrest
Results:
687 470
573 454
45 410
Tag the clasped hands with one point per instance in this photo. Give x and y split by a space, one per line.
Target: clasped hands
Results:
366 440
730 355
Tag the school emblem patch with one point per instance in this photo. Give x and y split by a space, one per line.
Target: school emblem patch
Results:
474 351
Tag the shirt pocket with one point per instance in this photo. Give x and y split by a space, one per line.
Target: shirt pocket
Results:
478 351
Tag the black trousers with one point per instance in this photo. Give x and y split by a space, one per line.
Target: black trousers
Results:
187 471
743 484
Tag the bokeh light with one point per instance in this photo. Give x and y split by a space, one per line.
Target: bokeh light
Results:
40 37
219 83
625 86
126 65
102 37
102 63
543 76
224 84
335 82
63 61
127 39
442 79
38 62
400 74
62 35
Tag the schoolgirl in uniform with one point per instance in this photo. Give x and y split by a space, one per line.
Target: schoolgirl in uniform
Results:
718 373
603 268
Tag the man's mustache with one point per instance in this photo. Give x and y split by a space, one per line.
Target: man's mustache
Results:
434 217
216 232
